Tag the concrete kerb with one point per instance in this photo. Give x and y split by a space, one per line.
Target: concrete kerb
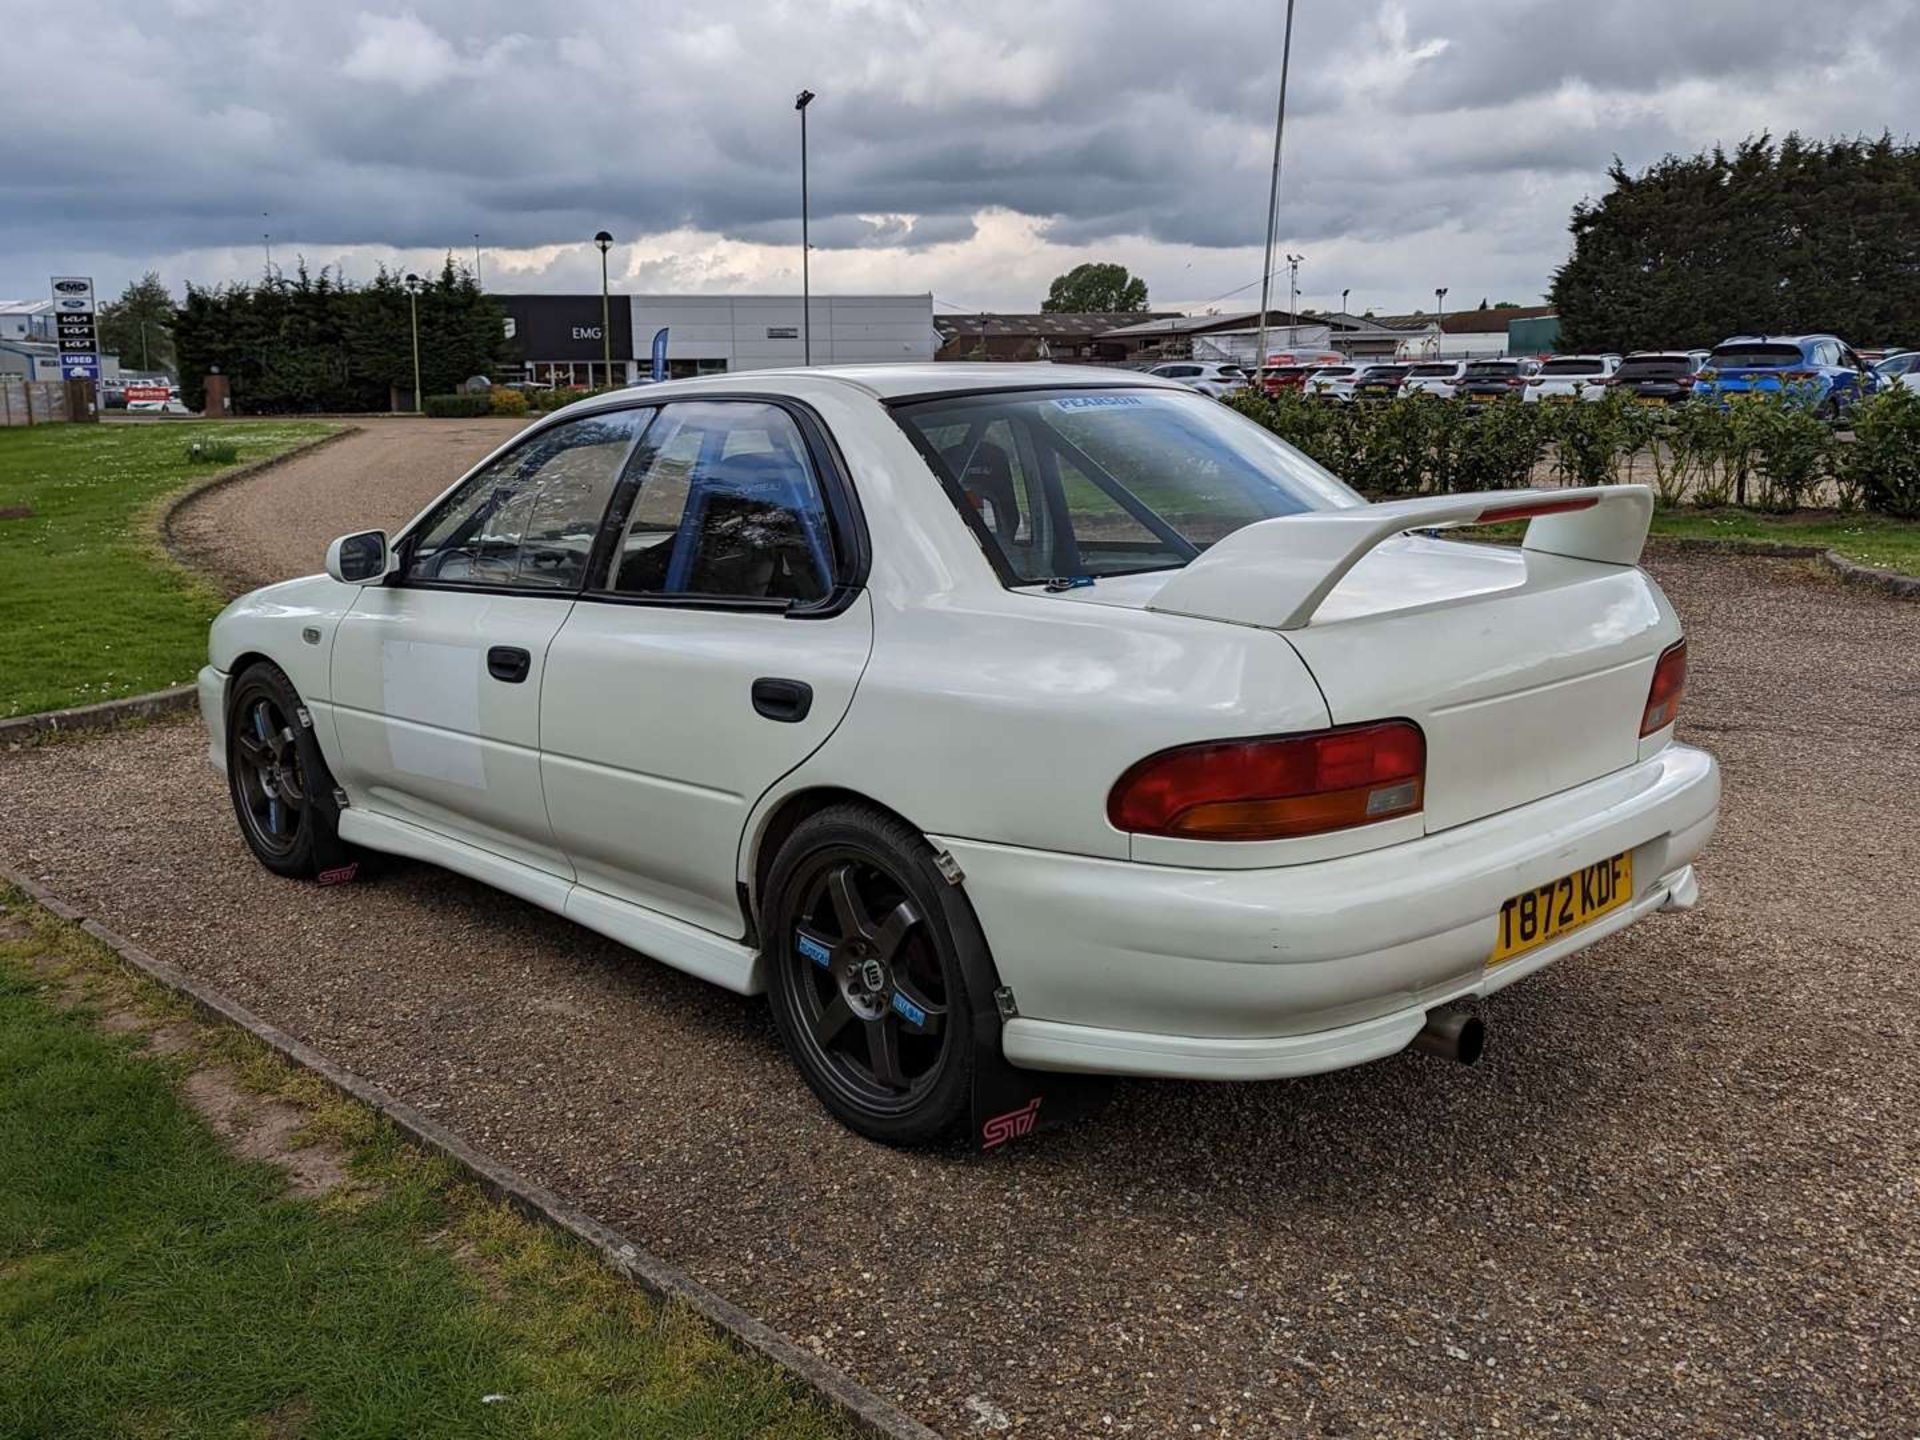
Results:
873 1414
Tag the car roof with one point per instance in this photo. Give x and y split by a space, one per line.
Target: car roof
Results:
1776 340
882 382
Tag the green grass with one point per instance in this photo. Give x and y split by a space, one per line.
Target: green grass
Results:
1876 540
152 1284
90 609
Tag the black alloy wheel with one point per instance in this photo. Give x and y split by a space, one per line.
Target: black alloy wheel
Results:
270 782
871 995
876 971
283 792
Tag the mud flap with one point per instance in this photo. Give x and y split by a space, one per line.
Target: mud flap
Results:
1010 1103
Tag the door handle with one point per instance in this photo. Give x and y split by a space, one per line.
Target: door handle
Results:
785 700
509 663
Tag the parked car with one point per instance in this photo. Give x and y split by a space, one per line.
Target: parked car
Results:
1276 378
1485 380
1333 382
892 693
1819 371
1659 377
1571 377
1896 365
1434 377
1206 376
1288 370
1379 382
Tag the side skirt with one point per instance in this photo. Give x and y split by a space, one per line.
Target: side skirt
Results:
713 958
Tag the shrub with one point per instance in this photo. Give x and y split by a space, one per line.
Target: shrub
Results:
1881 468
457 407
1494 446
212 452
1592 438
1793 450
543 401
503 400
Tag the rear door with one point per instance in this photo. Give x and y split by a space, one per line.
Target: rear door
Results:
436 676
714 649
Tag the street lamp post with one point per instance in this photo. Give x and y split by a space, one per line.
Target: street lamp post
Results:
1343 299
1273 190
1293 290
1440 325
414 284
476 259
605 242
800 103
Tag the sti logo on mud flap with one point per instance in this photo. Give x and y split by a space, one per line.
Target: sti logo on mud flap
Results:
1011 1126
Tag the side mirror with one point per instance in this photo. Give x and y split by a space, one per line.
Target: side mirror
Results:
359 559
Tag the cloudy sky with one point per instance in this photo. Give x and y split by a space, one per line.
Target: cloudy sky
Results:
974 148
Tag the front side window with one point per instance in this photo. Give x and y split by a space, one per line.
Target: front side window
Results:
529 518
726 504
1108 482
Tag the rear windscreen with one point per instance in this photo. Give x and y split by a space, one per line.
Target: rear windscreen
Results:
1073 483
1573 367
1655 367
1425 370
1492 370
1334 370
1754 357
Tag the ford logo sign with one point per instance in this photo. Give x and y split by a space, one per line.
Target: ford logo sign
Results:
73 287
73 305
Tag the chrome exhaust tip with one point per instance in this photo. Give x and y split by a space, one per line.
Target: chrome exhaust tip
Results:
1451 1035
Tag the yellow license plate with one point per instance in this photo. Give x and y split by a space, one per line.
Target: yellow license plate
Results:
1561 399
1649 400
1530 920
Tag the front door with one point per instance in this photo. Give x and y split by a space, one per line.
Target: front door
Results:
436 675
717 648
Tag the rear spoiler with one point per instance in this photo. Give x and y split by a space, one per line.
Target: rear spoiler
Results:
1276 573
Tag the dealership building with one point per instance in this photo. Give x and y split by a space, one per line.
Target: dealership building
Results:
561 339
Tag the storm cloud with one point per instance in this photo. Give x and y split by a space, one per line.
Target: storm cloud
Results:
973 149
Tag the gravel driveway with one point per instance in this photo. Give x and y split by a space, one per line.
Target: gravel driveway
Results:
1677 1198
278 526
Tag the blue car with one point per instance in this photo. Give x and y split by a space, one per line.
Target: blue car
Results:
1819 370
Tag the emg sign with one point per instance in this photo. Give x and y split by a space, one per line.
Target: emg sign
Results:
566 327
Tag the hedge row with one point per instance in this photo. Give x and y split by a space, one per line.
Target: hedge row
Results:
1761 451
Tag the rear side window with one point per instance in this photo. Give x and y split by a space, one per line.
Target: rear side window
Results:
529 519
724 503
1070 484
1754 357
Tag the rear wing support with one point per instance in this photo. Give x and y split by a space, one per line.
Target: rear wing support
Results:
1276 573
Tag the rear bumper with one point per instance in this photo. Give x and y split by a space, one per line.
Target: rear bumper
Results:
1125 968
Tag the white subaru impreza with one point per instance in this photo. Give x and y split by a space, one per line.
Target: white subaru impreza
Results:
1006 725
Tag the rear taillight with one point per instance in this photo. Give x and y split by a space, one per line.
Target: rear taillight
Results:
1669 682
1275 788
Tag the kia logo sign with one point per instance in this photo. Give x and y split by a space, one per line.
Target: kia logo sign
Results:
72 287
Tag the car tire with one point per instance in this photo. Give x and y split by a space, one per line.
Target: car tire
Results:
282 791
868 951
